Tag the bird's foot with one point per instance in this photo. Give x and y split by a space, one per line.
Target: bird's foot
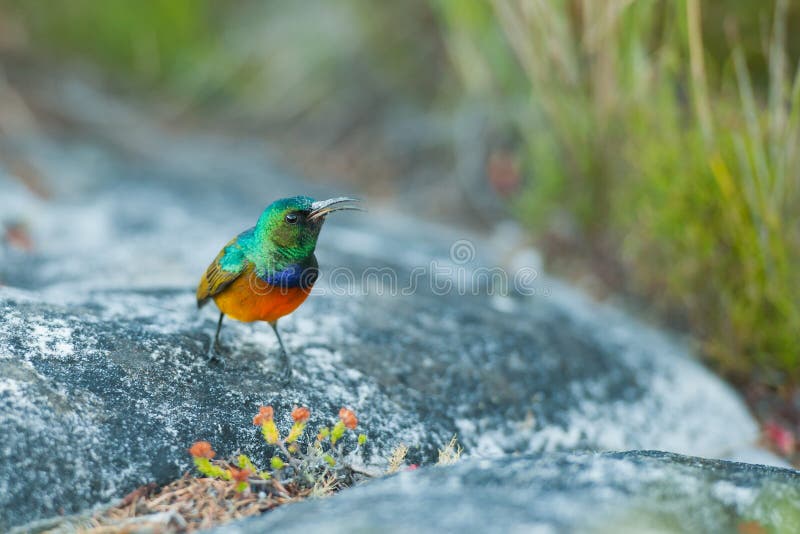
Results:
284 377
217 354
215 360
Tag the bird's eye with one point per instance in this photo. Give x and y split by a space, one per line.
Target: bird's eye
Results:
291 218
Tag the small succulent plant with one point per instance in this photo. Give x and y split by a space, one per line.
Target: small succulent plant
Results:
320 464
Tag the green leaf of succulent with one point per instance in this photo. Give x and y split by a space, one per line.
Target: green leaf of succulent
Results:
245 463
277 463
338 431
295 432
270 432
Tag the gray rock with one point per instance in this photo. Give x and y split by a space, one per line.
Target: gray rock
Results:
641 491
103 375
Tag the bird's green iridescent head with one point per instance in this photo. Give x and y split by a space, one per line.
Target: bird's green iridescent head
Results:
290 226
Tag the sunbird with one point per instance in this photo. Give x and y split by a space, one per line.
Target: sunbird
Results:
268 270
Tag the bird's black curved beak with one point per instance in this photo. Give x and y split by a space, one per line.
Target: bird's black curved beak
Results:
321 208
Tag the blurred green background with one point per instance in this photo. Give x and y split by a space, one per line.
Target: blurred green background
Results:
649 145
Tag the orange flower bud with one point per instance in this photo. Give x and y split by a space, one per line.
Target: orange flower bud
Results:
301 415
348 418
240 475
202 449
265 413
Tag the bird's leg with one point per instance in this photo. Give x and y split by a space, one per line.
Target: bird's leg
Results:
217 346
287 367
216 352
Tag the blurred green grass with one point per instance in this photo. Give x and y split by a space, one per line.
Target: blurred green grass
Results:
271 60
154 41
664 131
645 137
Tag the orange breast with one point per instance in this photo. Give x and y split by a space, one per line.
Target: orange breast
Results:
249 299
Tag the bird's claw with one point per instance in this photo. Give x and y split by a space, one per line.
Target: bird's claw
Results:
217 354
215 359
285 377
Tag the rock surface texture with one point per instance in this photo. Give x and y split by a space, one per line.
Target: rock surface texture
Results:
104 381
639 491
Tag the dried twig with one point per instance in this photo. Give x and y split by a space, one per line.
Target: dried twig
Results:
190 504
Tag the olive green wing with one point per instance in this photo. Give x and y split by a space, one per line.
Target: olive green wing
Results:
229 265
